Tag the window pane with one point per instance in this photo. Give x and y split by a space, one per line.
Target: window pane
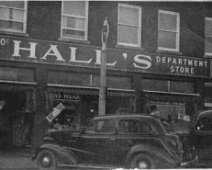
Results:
125 126
90 128
181 87
72 22
208 27
12 26
156 85
105 126
73 34
74 8
17 26
68 78
114 82
168 22
127 34
208 44
15 4
4 13
167 39
141 127
129 16
18 15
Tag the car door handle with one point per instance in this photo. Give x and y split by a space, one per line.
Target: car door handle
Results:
112 138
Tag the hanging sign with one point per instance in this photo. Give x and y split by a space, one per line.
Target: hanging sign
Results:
56 111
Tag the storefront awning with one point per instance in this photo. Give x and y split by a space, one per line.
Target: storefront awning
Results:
16 85
86 90
171 96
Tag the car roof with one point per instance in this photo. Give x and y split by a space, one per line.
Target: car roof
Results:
125 115
206 113
154 121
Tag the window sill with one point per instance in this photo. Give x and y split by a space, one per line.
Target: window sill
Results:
129 48
14 33
169 52
74 41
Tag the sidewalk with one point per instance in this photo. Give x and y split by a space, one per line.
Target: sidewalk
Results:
16 159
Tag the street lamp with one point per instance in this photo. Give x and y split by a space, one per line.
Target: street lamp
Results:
102 90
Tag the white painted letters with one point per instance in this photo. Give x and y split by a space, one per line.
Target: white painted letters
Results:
145 60
17 49
53 51
98 59
73 57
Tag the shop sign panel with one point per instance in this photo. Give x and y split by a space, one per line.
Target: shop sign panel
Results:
55 52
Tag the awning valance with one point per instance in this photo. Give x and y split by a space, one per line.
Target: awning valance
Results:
86 90
171 96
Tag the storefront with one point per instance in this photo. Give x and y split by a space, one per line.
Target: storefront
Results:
58 72
17 105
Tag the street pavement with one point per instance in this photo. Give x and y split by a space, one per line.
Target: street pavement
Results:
21 160
16 159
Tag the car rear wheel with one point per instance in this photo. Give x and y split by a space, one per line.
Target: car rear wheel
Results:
46 160
142 161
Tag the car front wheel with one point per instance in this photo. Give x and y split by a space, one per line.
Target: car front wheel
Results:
46 160
142 161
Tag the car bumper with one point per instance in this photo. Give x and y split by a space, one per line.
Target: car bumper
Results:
190 163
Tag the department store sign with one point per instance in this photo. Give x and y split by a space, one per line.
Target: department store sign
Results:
40 51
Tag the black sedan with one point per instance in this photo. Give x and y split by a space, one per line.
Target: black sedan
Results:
124 140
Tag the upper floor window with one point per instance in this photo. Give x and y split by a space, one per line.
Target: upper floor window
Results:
13 16
74 20
168 30
129 25
208 36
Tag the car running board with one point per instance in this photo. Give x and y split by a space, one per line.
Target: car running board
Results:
86 166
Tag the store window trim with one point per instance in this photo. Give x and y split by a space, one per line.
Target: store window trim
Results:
75 17
7 14
163 92
128 25
208 36
175 30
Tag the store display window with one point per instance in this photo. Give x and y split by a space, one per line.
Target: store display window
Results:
175 115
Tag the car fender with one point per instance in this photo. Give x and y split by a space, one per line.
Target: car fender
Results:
152 151
63 155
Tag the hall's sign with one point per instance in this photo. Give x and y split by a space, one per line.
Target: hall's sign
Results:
40 51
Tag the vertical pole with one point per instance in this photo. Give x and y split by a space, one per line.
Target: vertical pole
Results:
102 89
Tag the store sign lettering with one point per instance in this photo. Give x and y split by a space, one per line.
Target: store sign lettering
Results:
182 65
68 54
54 51
65 96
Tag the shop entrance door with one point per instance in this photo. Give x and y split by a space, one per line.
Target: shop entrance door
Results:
11 124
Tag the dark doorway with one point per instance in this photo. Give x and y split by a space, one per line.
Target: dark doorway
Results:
10 113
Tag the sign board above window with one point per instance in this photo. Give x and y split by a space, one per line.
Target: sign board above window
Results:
40 51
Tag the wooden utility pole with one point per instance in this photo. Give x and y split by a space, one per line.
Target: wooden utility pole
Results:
102 89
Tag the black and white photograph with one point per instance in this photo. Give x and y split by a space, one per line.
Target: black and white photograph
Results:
105 84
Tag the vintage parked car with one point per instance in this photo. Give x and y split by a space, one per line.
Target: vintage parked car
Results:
200 137
124 140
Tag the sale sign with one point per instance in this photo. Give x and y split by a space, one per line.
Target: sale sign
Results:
55 112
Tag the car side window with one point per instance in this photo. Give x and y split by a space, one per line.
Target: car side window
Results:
107 126
134 126
90 128
204 124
